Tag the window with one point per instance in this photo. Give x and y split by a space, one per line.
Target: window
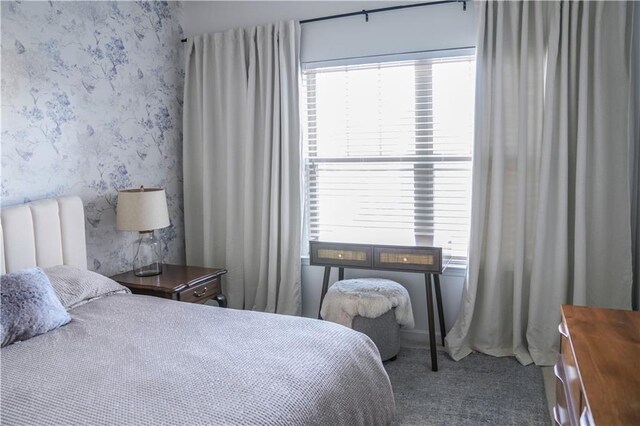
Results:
387 152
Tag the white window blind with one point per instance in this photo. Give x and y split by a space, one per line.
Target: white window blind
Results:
388 152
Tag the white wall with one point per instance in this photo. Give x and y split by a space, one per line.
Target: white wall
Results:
425 28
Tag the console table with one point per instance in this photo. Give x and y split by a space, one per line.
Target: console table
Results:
426 260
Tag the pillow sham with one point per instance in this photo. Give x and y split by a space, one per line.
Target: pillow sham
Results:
76 287
29 306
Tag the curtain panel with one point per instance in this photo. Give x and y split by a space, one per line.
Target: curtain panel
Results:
242 188
551 199
634 156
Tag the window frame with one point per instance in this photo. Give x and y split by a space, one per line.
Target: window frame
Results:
459 261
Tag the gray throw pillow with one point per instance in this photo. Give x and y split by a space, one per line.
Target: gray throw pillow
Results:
29 306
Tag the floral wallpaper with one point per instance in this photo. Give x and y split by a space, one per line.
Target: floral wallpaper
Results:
92 103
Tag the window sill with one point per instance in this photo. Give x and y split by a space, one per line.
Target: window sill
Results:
451 271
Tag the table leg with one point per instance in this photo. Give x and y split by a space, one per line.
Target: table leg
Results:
436 283
432 327
325 287
340 274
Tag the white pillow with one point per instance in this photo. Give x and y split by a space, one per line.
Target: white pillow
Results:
75 287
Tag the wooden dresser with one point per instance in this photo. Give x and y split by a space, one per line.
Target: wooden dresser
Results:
598 369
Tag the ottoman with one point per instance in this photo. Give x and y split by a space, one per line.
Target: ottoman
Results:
374 306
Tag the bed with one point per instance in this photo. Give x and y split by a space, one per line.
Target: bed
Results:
130 359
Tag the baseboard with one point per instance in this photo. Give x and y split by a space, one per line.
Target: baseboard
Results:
417 338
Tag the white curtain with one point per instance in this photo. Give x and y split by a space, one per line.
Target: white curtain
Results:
550 200
241 152
635 155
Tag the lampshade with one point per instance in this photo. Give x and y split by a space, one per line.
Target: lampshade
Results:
143 209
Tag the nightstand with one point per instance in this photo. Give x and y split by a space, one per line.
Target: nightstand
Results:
191 284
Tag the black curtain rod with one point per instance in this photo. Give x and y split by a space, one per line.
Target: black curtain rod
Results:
366 13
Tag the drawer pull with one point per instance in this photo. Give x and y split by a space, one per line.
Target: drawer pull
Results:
559 372
586 419
562 330
566 373
559 415
200 294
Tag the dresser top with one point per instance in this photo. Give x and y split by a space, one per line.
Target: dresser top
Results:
606 345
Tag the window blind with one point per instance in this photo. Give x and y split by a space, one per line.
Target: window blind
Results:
387 152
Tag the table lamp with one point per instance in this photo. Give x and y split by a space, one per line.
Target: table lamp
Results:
144 210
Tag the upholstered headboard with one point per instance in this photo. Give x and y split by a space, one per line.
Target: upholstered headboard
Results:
43 233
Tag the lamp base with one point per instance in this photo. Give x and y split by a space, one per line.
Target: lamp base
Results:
148 270
147 259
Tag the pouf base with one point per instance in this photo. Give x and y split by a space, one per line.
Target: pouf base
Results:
384 331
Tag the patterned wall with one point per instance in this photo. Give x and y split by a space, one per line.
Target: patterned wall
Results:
92 103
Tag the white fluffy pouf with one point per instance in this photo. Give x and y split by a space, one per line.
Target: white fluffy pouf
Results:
367 297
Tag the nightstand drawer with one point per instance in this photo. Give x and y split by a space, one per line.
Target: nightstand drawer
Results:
334 254
426 259
200 293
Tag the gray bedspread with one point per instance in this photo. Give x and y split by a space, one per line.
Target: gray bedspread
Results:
136 360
